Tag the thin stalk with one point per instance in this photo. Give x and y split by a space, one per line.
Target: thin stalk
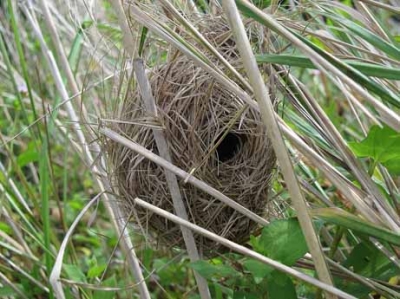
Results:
382 5
22 217
56 271
243 250
111 206
18 236
12 285
127 36
380 289
15 189
336 241
26 186
392 256
162 146
23 273
335 74
61 54
268 116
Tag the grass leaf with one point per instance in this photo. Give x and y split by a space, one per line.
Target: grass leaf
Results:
373 39
340 217
367 69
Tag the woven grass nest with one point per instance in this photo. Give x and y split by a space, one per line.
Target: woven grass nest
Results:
197 116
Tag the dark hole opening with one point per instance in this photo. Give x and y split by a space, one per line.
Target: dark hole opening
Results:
229 147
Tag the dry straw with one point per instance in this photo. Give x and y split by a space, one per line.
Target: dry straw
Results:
210 133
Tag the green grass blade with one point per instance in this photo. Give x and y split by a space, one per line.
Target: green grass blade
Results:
347 70
373 39
368 69
44 187
12 79
357 76
143 37
354 223
75 52
21 55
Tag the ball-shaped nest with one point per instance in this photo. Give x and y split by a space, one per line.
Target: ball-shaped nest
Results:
211 134
205 131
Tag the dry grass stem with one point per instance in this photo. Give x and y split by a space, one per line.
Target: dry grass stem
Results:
112 208
173 186
243 250
268 116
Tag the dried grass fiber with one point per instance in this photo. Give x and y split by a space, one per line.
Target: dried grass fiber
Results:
195 112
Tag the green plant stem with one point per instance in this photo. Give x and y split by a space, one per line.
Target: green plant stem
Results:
44 188
27 188
22 59
372 167
336 241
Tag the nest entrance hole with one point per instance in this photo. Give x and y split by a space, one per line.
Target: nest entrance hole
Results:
229 147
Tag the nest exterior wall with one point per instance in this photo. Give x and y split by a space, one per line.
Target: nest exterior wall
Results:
194 112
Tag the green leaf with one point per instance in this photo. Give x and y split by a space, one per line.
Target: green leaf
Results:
147 257
217 291
280 286
245 295
382 145
261 4
89 240
257 269
96 270
170 273
367 260
356 224
74 273
109 282
5 228
393 165
283 240
76 49
7 291
208 270
353 288
221 290
27 157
